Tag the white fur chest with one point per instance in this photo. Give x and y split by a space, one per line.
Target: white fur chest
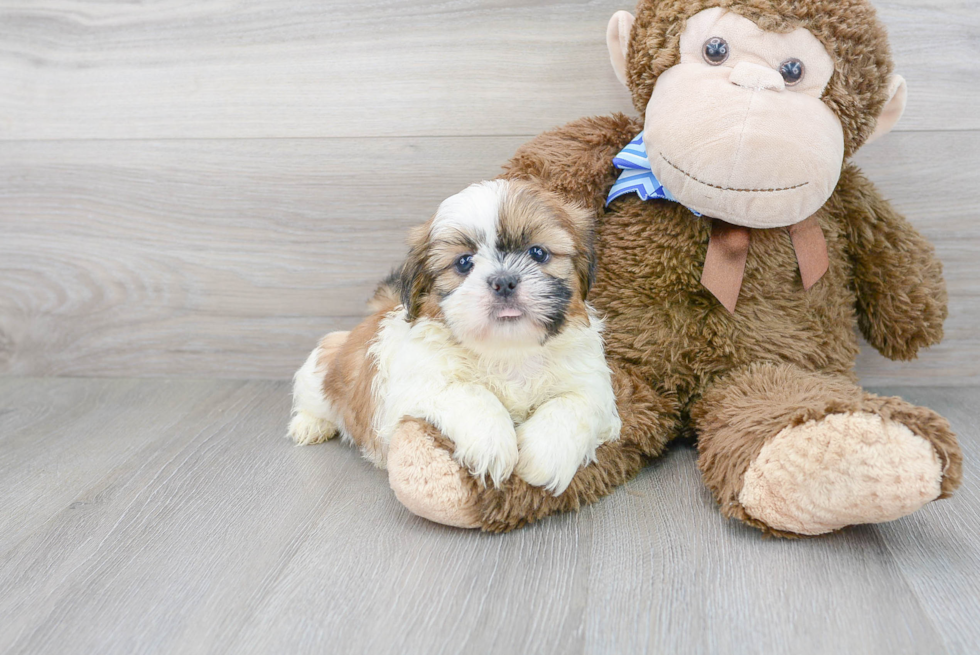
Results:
417 362
521 381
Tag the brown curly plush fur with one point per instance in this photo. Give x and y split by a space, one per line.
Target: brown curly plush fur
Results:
682 364
674 336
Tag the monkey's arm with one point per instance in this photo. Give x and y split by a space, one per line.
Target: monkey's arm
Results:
575 160
901 294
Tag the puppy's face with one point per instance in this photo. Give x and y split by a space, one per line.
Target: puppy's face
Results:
502 262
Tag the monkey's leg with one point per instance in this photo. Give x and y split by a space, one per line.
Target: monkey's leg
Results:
429 482
799 453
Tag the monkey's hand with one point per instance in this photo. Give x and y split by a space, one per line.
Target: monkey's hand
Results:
901 293
575 160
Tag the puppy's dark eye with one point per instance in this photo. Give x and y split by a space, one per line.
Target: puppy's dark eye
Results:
792 71
463 264
539 254
715 50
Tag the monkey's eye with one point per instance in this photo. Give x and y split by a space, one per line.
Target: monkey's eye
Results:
792 71
538 254
715 50
463 264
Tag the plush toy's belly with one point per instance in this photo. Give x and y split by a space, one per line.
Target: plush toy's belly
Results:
660 317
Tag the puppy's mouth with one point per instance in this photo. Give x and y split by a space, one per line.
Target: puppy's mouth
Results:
508 314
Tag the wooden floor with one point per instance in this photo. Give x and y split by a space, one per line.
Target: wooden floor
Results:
168 516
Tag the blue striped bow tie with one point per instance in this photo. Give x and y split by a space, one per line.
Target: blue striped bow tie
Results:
636 176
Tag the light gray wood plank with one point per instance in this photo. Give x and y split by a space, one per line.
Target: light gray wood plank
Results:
924 37
310 68
180 550
166 551
934 180
934 547
230 258
425 589
224 538
87 69
670 575
64 437
219 258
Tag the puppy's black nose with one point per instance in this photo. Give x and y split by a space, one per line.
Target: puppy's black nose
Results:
504 284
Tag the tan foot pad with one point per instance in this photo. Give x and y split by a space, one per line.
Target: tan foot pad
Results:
427 480
844 469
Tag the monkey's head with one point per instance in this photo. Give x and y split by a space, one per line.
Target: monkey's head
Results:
752 106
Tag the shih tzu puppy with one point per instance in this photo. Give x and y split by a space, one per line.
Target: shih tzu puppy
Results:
485 333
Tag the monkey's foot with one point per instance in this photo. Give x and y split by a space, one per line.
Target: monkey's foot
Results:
427 480
844 469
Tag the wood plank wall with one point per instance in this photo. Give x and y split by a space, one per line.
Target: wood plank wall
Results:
201 189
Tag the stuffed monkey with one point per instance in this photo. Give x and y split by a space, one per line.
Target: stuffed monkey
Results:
739 252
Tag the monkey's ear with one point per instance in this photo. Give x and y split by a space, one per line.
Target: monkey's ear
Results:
898 95
618 40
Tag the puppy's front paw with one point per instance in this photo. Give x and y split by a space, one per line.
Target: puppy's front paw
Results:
547 459
490 449
306 429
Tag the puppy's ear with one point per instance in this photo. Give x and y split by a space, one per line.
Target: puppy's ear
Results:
583 229
416 280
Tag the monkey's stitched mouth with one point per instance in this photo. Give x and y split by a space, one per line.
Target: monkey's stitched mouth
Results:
725 188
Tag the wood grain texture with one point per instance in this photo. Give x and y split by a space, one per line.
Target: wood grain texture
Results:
934 179
943 538
65 422
216 258
230 258
180 521
314 68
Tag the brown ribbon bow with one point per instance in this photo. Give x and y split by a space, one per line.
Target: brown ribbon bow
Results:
728 248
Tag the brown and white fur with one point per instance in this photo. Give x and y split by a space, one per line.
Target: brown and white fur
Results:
486 334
